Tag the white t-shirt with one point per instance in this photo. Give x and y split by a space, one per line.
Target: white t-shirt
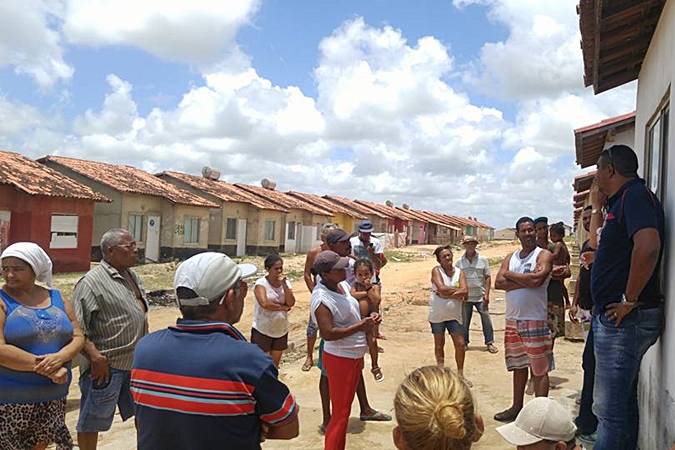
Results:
444 309
345 310
360 251
526 303
271 323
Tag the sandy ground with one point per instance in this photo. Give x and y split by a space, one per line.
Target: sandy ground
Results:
409 345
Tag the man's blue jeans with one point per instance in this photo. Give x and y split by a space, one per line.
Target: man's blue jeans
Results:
488 332
618 353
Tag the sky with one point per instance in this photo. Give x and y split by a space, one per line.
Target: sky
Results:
465 107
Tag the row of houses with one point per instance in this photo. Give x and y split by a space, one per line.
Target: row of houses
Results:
66 204
623 41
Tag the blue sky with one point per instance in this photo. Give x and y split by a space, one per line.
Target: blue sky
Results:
465 107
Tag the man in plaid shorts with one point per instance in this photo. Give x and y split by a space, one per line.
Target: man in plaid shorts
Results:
524 275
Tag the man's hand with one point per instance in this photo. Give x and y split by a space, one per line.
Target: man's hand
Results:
100 370
486 299
617 311
574 309
376 317
587 259
61 376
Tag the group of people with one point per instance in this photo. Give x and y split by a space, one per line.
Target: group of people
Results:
231 392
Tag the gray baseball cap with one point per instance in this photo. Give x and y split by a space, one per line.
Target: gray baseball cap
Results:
209 275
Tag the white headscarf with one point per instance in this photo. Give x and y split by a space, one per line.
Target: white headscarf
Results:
34 256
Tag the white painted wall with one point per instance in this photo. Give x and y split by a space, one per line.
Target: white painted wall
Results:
657 376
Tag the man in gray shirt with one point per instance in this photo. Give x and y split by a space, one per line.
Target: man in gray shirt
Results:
476 268
110 305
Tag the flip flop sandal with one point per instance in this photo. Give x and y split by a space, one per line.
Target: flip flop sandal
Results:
377 417
506 416
307 366
492 349
377 374
322 429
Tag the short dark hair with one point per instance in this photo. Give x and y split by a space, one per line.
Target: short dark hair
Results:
524 219
540 219
439 249
364 262
195 312
272 259
558 228
623 158
588 208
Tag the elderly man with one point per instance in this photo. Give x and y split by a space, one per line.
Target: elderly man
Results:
626 291
309 281
110 305
476 268
543 424
227 397
524 275
367 246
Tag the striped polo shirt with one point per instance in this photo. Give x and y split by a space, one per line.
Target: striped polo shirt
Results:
109 313
201 385
475 272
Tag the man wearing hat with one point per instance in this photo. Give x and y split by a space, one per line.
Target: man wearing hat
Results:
476 268
199 384
367 246
542 424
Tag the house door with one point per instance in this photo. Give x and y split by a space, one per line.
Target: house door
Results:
5 217
241 237
152 239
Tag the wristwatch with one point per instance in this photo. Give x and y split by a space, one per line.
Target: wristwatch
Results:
626 302
595 211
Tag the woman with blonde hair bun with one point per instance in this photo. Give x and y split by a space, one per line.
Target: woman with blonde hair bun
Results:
435 411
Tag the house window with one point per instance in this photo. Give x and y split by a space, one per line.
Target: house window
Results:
63 231
269 230
657 151
191 235
291 230
135 226
231 228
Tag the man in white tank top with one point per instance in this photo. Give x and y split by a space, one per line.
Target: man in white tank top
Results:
524 275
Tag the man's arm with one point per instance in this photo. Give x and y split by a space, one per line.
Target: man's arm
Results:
501 282
309 262
538 276
84 305
287 431
645 256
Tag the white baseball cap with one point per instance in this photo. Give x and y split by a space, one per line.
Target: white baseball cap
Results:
209 275
541 419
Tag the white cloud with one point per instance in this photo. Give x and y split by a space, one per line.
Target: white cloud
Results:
541 56
29 44
196 31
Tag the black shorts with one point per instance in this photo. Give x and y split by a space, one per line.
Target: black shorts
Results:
267 343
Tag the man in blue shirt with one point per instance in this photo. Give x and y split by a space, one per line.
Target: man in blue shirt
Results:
626 291
199 384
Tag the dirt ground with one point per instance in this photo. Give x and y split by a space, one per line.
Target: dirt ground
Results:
409 345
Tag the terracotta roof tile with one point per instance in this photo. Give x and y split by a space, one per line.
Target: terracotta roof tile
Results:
34 178
284 200
334 208
439 219
129 180
222 190
356 207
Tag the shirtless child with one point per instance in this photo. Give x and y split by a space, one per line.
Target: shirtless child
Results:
369 296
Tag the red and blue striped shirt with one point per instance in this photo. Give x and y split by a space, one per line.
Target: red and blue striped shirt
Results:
201 385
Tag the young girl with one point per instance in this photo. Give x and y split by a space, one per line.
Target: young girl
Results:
369 297
275 298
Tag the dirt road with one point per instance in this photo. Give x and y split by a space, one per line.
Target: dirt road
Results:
409 345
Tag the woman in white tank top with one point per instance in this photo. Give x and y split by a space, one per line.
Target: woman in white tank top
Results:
448 294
